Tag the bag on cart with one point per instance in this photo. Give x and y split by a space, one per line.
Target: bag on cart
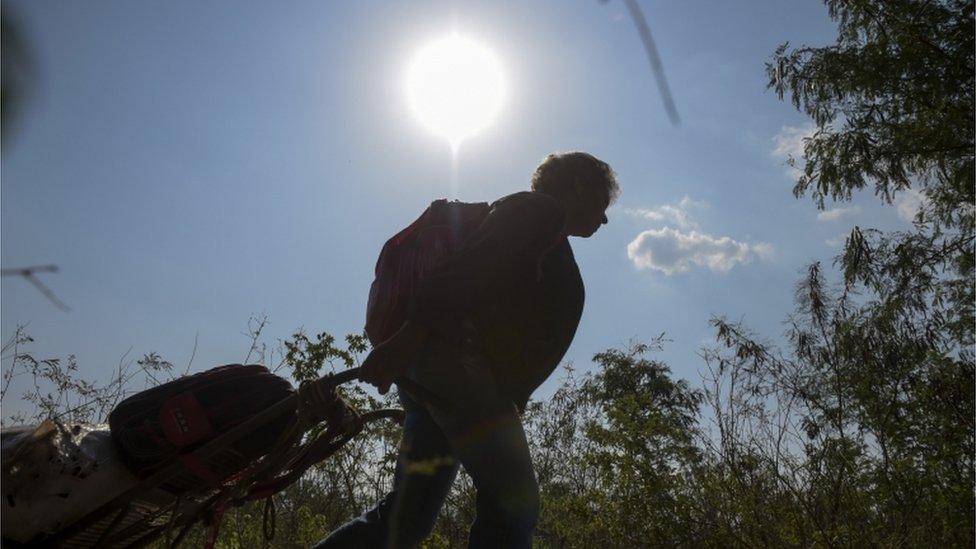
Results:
409 255
166 423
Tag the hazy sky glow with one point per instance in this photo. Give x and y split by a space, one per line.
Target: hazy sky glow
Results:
188 165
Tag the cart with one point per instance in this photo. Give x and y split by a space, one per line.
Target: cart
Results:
170 501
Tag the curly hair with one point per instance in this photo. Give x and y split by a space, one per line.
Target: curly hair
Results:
571 172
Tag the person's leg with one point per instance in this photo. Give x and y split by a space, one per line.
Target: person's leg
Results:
485 432
405 517
494 452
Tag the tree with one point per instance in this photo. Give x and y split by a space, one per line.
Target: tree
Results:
863 426
892 100
615 453
893 104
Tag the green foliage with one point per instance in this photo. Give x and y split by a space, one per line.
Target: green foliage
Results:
879 377
307 357
851 434
892 100
615 453
808 448
643 447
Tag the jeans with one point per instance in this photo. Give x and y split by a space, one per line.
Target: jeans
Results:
484 434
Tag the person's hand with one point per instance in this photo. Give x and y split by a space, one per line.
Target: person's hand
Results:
390 359
383 364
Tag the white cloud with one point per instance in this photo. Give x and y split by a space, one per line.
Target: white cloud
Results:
671 213
763 250
788 143
834 214
665 214
687 203
908 202
672 251
837 241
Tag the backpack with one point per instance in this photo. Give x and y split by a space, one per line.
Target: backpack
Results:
412 253
167 422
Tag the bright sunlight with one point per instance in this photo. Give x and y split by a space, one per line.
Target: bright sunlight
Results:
455 87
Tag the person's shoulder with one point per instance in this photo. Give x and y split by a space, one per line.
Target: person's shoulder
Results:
530 202
529 212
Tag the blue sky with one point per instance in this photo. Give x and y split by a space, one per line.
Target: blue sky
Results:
188 165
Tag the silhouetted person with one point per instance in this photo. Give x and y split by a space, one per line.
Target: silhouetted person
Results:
486 327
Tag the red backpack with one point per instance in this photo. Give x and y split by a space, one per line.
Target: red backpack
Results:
409 255
166 423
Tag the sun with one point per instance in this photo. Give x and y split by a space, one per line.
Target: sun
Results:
456 87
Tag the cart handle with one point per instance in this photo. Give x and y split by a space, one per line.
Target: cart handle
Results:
416 390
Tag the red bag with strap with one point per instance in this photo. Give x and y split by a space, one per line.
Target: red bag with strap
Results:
409 255
166 423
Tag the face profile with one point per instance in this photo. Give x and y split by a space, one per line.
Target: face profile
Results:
586 215
584 185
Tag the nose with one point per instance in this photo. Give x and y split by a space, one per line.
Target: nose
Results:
603 219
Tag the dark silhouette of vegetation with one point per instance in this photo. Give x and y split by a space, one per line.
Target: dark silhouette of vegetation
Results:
871 406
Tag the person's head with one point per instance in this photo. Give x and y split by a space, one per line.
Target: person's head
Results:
583 184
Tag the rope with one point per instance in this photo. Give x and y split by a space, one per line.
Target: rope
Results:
270 514
168 532
318 401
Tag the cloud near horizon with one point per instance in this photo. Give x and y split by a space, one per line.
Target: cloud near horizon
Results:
672 251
